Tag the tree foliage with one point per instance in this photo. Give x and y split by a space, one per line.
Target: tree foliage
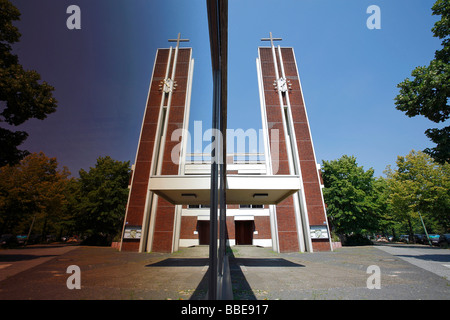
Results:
22 94
102 197
428 93
93 204
33 188
419 184
351 195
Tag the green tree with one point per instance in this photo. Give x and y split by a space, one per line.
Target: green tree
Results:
34 188
68 224
352 205
420 185
102 198
386 223
428 93
22 94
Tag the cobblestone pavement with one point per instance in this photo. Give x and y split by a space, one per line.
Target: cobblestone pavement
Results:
256 273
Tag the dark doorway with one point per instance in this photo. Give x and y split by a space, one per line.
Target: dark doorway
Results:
203 232
244 232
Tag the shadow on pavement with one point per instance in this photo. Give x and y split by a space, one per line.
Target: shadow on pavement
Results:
22 257
406 245
180 262
264 262
428 257
240 286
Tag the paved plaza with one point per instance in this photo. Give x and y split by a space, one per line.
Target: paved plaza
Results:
405 272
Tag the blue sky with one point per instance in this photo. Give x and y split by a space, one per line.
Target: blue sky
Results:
349 73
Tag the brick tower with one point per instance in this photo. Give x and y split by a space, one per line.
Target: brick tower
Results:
300 220
277 202
150 220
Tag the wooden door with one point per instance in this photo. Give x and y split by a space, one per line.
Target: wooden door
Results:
203 232
244 232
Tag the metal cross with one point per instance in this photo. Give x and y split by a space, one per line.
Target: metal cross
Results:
271 39
178 40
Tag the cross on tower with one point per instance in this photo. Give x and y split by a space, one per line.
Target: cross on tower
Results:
271 39
178 40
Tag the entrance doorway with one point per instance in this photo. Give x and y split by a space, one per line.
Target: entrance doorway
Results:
203 232
244 232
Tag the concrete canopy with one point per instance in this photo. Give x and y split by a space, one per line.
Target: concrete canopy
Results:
241 189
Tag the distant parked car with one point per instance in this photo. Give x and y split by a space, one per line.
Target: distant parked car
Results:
444 240
21 239
72 239
8 240
404 238
420 238
34 238
434 238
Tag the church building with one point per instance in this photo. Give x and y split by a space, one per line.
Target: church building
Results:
273 199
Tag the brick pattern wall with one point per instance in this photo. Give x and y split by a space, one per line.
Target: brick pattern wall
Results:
165 214
280 161
287 228
139 186
138 193
311 179
262 225
188 226
287 232
231 232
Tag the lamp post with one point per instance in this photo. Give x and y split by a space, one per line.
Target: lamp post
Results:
424 228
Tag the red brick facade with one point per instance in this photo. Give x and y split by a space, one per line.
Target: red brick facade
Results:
287 230
164 220
142 204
